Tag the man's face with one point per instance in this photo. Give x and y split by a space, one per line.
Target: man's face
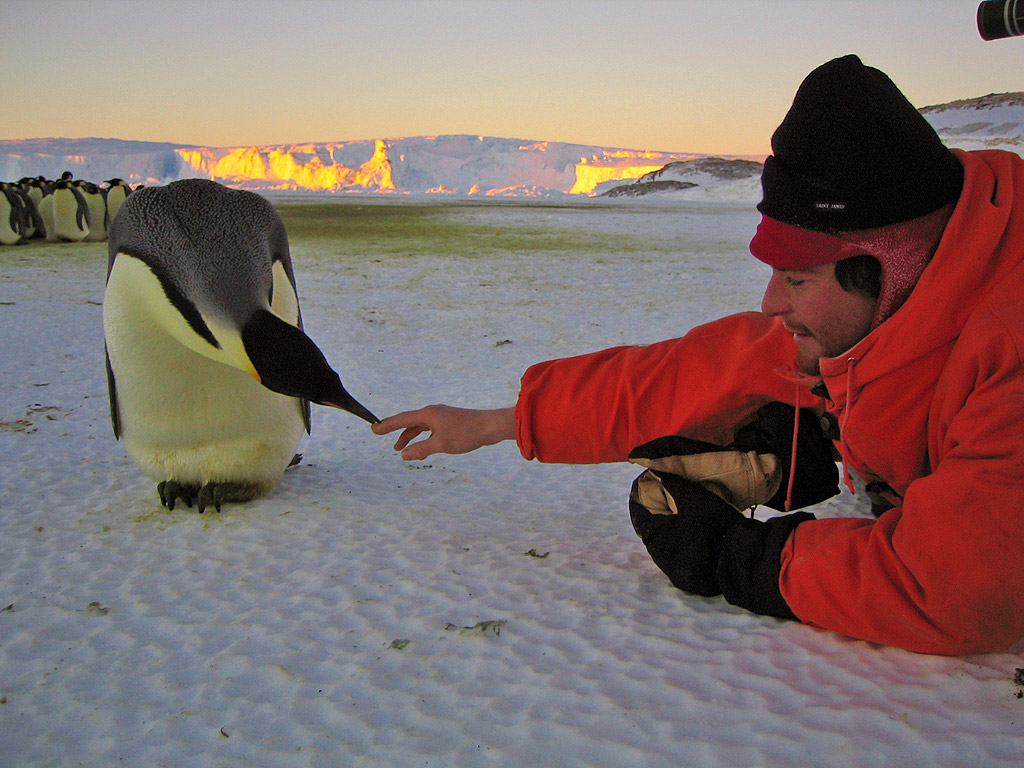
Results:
825 320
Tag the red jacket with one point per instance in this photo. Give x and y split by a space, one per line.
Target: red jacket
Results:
931 403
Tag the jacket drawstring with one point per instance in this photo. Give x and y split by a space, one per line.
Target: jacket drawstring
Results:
847 479
792 455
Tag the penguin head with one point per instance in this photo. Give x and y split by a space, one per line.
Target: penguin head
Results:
218 277
219 254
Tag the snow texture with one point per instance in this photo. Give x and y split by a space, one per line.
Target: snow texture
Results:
473 610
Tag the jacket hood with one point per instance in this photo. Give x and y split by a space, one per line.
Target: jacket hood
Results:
982 243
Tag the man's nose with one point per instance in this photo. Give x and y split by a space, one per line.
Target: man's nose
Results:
774 302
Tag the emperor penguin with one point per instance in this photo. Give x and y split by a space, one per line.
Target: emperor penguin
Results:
35 228
44 206
35 187
97 210
114 192
210 374
13 216
70 212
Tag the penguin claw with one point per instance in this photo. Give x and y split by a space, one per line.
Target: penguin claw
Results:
211 493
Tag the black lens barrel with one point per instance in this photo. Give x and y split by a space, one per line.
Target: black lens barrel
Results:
1000 18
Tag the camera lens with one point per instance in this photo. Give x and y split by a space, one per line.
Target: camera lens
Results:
1001 18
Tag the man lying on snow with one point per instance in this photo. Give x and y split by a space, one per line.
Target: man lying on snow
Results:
893 324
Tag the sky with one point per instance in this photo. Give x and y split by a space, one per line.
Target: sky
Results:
707 76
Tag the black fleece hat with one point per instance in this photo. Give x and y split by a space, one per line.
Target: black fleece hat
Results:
853 153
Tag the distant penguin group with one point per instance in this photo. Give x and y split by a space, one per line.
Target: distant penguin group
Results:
210 374
62 210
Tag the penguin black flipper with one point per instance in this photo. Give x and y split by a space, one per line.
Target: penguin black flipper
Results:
33 220
115 414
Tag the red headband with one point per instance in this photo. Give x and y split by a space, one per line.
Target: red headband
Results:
784 246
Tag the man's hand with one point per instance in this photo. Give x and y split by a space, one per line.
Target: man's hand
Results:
452 430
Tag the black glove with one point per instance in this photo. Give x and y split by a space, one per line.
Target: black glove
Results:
685 506
682 524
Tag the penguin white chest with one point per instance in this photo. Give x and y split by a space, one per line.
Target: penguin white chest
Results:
183 415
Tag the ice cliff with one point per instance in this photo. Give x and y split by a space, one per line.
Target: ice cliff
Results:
458 164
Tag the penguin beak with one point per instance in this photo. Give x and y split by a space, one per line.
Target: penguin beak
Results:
287 361
350 404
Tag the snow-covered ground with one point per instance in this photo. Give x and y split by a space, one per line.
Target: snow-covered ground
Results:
472 610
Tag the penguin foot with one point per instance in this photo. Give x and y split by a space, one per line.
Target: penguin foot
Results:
216 493
171 491
210 494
